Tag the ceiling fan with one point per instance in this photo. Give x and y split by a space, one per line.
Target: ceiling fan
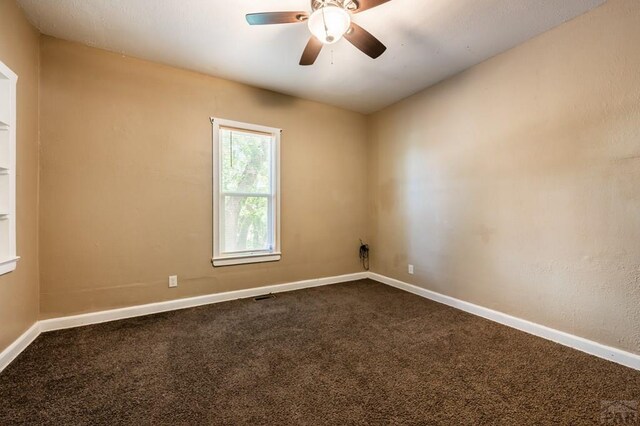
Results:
329 21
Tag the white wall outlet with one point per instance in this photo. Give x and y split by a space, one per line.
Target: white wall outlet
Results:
173 281
410 269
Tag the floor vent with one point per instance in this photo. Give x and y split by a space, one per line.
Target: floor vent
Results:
264 297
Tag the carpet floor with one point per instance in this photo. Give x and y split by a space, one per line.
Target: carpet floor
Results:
355 353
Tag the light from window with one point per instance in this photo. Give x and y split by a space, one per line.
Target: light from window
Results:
246 199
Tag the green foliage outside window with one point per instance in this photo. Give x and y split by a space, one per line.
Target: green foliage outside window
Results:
246 185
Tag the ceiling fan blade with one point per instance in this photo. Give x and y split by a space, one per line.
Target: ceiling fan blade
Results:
311 52
368 4
364 41
267 18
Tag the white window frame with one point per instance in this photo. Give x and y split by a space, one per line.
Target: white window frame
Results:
239 258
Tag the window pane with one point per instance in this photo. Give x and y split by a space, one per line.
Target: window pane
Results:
246 161
245 223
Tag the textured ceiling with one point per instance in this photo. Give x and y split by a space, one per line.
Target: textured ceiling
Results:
427 40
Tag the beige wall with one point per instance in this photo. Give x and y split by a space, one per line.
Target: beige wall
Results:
126 182
19 289
516 184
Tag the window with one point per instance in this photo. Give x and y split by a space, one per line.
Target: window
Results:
8 256
246 199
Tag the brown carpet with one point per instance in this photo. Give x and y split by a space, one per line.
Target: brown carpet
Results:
354 353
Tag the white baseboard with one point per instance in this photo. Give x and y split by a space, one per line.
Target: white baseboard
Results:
19 345
606 352
172 305
609 353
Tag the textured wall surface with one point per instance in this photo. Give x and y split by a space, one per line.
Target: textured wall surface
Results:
516 184
126 182
19 289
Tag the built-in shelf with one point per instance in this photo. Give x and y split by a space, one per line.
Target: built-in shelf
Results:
8 257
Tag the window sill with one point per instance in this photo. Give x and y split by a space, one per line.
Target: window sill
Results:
8 265
242 260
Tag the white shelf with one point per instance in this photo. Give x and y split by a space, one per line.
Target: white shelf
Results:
8 257
5 89
5 149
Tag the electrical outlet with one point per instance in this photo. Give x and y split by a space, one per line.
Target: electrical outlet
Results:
411 269
173 281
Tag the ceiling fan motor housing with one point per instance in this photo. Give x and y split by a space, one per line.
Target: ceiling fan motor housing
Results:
350 5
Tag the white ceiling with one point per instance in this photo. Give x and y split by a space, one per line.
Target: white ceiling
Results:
427 40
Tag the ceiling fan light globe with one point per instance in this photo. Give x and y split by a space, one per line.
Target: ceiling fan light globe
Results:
328 24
